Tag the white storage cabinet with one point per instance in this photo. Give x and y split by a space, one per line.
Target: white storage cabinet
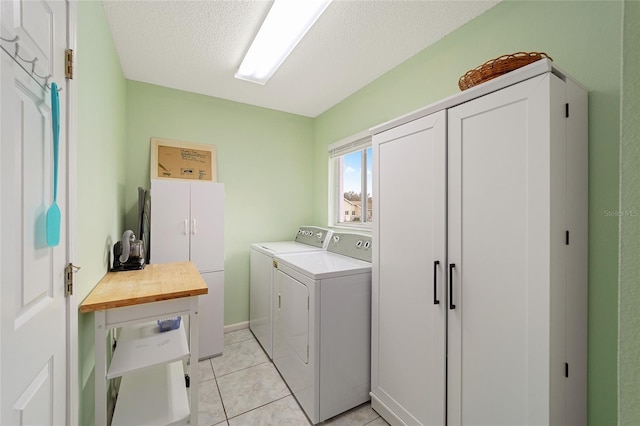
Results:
187 224
480 294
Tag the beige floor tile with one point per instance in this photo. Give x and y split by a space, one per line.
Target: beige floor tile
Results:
283 412
205 371
378 422
210 409
237 336
358 416
251 388
238 356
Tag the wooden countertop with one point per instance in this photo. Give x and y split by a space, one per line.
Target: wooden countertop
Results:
156 282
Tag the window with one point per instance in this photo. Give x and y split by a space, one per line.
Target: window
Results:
350 181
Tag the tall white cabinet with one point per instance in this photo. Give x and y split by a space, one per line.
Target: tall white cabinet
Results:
187 224
480 292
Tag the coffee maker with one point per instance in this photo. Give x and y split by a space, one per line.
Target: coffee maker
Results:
128 254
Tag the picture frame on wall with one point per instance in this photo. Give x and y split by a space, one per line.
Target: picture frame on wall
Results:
172 159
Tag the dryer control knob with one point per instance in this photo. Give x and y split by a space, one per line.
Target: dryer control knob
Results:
319 235
336 238
359 244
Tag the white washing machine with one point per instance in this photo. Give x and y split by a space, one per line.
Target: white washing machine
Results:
261 273
322 325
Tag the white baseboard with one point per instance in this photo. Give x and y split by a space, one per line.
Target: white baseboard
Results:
236 326
385 412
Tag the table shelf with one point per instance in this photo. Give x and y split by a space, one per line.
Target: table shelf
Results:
143 345
153 396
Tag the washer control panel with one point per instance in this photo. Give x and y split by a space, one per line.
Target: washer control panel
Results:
313 236
357 246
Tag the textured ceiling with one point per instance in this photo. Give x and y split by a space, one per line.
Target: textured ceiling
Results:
197 46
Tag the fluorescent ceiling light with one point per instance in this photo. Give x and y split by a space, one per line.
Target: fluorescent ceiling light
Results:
285 25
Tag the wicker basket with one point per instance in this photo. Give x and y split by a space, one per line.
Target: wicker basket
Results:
497 67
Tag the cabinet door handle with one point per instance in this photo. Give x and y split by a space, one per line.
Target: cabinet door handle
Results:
279 302
193 226
186 226
435 282
452 266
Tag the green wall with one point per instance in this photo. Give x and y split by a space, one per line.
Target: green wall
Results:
100 173
264 160
584 39
629 316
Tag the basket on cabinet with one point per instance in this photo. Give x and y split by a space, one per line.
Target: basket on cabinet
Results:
497 67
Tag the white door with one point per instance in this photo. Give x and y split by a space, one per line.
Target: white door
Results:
33 337
409 298
500 234
207 226
170 217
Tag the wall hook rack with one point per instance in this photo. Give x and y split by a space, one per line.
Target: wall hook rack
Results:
23 63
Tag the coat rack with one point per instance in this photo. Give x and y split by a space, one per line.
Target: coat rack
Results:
24 63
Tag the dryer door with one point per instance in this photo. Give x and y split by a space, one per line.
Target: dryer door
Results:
292 328
294 317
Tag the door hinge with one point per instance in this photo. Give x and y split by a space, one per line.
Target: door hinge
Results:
69 270
275 264
566 110
68 63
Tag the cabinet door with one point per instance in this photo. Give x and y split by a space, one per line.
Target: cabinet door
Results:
170 205
506 200
207 226
409 304
211 315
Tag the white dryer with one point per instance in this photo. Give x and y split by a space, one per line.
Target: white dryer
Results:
261 272
322 325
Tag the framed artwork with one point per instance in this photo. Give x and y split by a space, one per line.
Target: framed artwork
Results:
182 160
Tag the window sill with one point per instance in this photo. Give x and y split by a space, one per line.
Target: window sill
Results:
366 229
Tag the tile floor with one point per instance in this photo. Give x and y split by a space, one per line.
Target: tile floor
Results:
243 388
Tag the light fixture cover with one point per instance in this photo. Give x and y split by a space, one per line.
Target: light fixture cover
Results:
285 25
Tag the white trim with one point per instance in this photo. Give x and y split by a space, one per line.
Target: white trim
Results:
73 395
361 229
237 326
350 144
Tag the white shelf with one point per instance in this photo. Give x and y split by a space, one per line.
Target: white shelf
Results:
143 345
154 396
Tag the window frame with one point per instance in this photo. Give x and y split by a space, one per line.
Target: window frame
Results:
358 142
